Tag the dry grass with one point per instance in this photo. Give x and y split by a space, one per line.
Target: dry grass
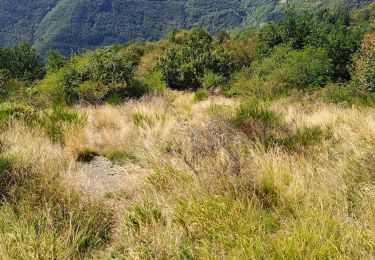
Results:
210 191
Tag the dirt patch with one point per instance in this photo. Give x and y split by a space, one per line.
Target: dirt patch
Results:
102 178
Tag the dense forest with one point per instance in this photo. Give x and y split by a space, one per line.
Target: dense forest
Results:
254 143
68 25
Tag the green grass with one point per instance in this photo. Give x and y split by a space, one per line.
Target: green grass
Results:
201 94
121 156
57 120
300 140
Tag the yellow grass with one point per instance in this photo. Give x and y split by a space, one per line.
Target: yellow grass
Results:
208 191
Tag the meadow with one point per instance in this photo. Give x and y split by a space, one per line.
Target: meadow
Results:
195 146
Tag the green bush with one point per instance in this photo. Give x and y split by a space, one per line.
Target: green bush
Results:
191 54
284 68
10 111
22 63
257 121
186 59
54 61
308 67
348 94
212 80
253 110
94 76
152 82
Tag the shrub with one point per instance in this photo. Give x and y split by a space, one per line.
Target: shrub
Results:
22 63
191 53
212 80
257 121
9 111
285 68
152 82
184 62
92 77
308 67
365 64
54 61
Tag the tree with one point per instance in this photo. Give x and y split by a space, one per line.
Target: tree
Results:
54 61
186 59
22 63
365 64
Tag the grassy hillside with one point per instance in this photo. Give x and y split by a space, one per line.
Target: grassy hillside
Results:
68 25
203 188
259 146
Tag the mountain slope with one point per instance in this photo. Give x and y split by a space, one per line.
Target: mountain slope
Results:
68 25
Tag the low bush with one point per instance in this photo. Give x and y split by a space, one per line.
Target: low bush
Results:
212 80
15 111
257 121
301 139
348 94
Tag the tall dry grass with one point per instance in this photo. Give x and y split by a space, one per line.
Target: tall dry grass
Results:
209 189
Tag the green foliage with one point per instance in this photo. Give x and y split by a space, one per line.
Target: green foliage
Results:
120 156
59 119
16 111
54 61
257 121
212 80
186 60
152 82
303 138
332 31
193 54
308 67
365 64
201 94
94 76
22 63
253 110
284 68
348 94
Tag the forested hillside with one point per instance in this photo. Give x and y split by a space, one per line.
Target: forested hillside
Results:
67 25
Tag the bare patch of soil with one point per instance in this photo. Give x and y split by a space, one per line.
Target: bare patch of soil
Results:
102 178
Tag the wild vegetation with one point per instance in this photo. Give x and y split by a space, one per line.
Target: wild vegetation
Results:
68 26
255 144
